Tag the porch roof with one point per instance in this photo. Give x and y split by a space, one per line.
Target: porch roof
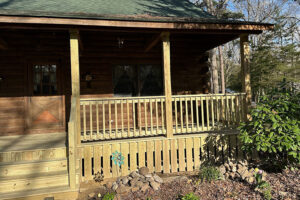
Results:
169 11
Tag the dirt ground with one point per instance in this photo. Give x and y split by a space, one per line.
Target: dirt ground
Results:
285 186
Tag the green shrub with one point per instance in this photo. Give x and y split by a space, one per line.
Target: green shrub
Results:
209 173
190 196
108 196
273 130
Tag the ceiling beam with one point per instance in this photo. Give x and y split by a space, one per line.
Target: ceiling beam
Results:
151 43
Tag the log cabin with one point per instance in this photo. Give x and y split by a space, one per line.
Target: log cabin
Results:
80 80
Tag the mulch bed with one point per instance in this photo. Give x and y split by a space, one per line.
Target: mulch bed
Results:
285 186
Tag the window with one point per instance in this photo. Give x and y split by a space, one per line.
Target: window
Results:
44 80
137 80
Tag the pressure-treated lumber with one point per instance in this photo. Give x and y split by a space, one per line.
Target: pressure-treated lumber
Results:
167 82
245 64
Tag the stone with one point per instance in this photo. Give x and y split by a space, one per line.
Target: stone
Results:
129 178
134 174
143 171
134 189
239 166
114 186
226 175
226 165
118 180
232 175
139 184
233 169
109 184
190 181
145 187
157 178
150 179
242 170
91 195
230 164
251 180
155 185
222 169
125 180
134 181
123 189
148 175
245 174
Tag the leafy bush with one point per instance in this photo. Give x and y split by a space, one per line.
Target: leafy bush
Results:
274 128
108 196
190 196
209 173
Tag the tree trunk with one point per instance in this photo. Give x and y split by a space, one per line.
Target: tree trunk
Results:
214 70
222 69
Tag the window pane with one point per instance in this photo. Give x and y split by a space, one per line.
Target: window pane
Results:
151 80
124 80
44 80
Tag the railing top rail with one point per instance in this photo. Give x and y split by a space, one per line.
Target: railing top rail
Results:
121 98
208 95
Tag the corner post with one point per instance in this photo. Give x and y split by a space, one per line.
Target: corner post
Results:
75 77
245 64
167 82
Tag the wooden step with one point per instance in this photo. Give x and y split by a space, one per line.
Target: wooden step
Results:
59 193
33 181
27 168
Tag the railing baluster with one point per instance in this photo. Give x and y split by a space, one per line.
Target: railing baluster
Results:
109 118
151 117
116 119
133 115
122 119
233 110
207 113
181 115
128 120
145 110
156 112
162 117
103 118
212 112
140 118
84 122
91 120
186 115
222 111
97 119
176 125
197 114
192 114
217 112
202 113
227 111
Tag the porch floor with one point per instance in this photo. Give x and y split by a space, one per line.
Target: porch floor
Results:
31 142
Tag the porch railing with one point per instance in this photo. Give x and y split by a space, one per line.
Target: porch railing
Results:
128 117
123 117
199 113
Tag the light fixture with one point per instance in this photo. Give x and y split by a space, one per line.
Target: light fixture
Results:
120 42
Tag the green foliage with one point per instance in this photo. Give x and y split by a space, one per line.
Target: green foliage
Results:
261 185
209 173
274 129
108 196
190 196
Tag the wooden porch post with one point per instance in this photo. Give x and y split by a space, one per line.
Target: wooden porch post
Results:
74 126
167 82
245 64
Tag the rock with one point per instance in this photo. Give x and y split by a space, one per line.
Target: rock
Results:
157 178
226 165
150 179
239 166
123 189
118 180
245 174
230 164
109 184
134 181
134 189
129 178
140 184
232 175
91 195
114 186
226 175
155 185
251 180
242 170
148 175
134 174
125 180
143 171
190 180
183 179
222 169
145 187
233 169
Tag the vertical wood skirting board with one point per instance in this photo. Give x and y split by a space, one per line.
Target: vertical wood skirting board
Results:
74 126
167 82
245 64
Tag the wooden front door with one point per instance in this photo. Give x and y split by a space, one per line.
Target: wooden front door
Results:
46 105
